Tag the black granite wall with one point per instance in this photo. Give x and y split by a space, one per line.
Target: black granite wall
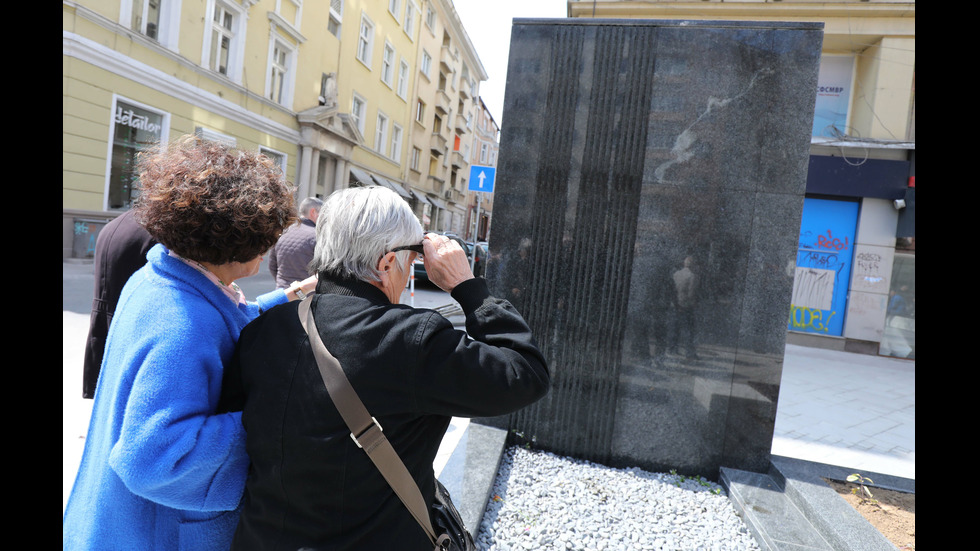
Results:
629 150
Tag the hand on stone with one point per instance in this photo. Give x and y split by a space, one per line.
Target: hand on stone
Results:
445 262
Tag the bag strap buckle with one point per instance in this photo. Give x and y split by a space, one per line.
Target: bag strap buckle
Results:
374 424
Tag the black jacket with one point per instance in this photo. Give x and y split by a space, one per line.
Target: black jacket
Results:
309 486
120 250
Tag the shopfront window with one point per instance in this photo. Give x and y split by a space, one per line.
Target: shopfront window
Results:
833 96
899 337
134 129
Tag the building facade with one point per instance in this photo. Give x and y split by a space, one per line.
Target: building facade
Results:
330 90
442 126
486 145
854 276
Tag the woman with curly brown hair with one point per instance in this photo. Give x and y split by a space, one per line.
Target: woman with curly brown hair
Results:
162 467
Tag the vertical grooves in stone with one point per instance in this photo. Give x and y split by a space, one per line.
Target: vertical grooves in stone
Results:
550 204
590 400
590 304
625 187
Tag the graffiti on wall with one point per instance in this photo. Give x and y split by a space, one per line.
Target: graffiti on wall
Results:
823 266
86 233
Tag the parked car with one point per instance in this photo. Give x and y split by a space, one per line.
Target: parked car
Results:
480 264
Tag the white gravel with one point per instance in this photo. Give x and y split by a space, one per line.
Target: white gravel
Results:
543 501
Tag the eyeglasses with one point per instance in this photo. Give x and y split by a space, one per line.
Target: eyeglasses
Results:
418 249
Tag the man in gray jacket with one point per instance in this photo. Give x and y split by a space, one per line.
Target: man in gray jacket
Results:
289 258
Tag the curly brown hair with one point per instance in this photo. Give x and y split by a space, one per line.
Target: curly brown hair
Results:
211 203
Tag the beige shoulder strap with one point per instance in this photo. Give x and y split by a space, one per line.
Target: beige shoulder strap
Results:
365 430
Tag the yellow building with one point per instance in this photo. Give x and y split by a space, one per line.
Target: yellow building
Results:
449 77
860 191
327 89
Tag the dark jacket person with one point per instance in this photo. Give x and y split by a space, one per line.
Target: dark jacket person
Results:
309 486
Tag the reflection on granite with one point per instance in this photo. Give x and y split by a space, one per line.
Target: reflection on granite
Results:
649 192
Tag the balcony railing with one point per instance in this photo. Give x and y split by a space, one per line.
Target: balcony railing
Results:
442 102
437 144
457 160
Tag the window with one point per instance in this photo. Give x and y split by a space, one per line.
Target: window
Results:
430 18
279 67
278 158
426 63
146 17
403 71
393 7
420 111
413 161
155 19
834 84
336 16
365 41
387 64
212 135
224 40
222 35
409 24
381 133
357 108
133 129
484 151
899 335
396 143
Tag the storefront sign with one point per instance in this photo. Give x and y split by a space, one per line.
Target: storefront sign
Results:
833 96
129 117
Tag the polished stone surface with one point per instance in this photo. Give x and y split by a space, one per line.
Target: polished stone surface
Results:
639 159
774 520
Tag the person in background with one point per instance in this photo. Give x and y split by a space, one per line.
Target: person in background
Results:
309 486
686 284
289 259
161 468
120 250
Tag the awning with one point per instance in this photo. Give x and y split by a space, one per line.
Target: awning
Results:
361 177
391 185
420 196
438 203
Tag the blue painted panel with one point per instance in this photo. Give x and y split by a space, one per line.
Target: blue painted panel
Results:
823 266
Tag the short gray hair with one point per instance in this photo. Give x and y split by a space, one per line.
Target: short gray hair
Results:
310 203
357 227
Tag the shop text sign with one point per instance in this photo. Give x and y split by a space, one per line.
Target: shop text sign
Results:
129 117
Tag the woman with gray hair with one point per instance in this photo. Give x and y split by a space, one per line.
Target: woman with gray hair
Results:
309 486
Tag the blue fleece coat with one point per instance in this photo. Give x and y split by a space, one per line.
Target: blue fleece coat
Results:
162 470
